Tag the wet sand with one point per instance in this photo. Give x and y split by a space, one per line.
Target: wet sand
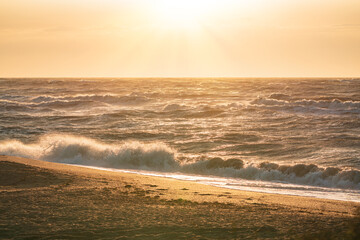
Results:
48 200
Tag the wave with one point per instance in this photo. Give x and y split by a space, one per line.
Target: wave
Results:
10 105
280 96
305 174
282 102
69 102
159 157
6 105
84 151
174 107
131 99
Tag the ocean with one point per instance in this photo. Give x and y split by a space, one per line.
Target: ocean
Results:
286 136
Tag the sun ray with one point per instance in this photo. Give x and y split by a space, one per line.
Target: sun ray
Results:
183 14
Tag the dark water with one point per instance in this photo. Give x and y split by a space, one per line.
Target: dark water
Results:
303 131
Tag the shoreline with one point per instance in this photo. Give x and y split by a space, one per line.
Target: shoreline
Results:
91 200
197 179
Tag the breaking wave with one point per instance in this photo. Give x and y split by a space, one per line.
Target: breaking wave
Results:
85 151
174 107
131 99
159 157
282 101
305 174
68 102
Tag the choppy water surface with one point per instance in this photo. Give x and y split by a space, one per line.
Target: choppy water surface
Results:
275 131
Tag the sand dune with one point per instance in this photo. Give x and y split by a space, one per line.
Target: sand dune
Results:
48 200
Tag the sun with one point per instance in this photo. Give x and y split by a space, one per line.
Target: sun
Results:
183 14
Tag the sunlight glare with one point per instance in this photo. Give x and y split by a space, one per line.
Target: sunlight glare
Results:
183 14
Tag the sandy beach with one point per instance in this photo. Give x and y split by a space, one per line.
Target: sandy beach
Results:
49 200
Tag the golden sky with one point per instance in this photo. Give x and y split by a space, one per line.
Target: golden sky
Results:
171 38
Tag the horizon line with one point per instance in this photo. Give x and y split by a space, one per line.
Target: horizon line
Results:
185 77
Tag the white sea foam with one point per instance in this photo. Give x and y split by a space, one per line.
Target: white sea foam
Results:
174 107
330 106
85 151
83 100
159 157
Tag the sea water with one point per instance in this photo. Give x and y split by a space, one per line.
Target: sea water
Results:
286 136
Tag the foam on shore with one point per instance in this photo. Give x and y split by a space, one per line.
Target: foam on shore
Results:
159 157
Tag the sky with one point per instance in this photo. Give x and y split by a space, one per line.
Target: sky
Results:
172 38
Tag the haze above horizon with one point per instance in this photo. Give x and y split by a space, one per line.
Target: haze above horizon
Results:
173 38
